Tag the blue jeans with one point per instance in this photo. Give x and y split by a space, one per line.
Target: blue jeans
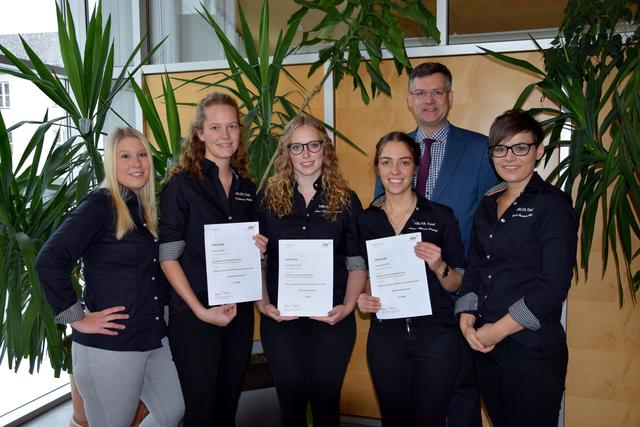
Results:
413 364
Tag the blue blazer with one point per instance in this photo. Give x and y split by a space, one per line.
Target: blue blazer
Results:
465 175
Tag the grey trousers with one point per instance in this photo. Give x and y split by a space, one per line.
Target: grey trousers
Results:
112 382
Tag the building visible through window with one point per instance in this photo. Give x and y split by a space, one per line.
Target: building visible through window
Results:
5 102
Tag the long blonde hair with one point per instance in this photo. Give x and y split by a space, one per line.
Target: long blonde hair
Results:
146 195
279 190
193 149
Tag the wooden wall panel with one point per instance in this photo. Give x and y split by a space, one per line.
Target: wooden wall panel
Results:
603 379
482 89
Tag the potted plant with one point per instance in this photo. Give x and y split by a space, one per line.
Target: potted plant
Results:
592 75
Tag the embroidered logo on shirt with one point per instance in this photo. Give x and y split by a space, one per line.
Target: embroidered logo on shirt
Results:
324 209
523 213
424 226
243 197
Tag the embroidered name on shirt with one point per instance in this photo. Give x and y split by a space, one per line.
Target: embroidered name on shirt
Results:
424 226
243 197
323 209
523 213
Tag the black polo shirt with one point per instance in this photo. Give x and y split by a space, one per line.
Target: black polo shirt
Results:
187 203
437 225
116 272
522 262
309 222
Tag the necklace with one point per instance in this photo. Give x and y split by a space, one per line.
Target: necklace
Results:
399 222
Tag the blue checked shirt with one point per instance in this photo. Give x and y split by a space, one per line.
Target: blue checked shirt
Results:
437 155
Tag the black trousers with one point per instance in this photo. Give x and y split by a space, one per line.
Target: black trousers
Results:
308 360
211 363
413 364
522 386
464 407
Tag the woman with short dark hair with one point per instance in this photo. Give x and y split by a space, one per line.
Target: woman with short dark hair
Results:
521 258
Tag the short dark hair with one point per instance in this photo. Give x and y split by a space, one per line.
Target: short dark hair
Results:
412 145
513 122
429 68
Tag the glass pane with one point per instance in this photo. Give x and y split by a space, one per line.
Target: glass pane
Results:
122 25
20 388
191 38
25 103
517 18
122 110
39 30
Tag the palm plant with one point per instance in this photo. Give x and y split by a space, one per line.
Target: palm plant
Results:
35 198
592 75
35 195
253 77
254 81
368 26
166 142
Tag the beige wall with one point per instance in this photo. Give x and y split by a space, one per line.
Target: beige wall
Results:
603 382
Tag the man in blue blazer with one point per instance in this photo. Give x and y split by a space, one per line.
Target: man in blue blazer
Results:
459 173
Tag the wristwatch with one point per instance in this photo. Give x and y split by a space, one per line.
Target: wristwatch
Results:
445 273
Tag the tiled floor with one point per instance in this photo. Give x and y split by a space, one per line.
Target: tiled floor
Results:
257 408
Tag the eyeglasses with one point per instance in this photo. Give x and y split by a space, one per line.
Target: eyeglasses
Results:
296 148
521 149
435 93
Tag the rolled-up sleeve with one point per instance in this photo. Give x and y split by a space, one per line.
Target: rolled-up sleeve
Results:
63 249
172 222
354 259
558 239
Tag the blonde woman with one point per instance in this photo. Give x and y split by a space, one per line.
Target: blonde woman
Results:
120 350
211 346
307 198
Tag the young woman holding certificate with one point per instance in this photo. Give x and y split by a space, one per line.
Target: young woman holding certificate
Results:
413 360
307 198
120 349
211 346
521 259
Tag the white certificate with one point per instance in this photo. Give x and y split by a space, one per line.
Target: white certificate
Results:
233 263
305 277
398 277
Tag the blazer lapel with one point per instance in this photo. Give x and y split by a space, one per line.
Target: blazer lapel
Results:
453 152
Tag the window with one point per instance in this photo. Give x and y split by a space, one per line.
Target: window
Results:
5 101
